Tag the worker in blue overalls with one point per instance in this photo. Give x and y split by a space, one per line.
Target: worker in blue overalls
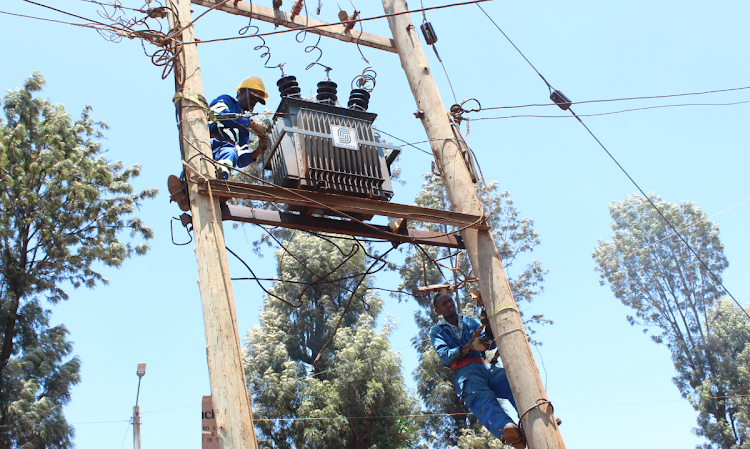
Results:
233 133
478 383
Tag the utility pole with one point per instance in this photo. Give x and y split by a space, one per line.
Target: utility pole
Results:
136 427
523 375
231 402
140 371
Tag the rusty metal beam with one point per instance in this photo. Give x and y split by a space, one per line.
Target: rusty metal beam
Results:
333 226
332 202
282 18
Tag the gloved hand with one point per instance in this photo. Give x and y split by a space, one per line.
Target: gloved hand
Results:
259 128
262 144
481 344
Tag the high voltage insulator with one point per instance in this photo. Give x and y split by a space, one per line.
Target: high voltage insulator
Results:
288 87
327 92
359 100
277 4
348 20
296 8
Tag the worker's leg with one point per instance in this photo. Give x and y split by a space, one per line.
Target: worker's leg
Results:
224 153
480 398
498 382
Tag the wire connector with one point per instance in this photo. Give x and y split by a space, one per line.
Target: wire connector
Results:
560 99
429 33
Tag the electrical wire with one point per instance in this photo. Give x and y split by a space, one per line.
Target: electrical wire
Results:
690 248
126 435
566 283
720 398
434 48
652 97
82 25
67 13
669 223
311 27
514 46
612 112
405 142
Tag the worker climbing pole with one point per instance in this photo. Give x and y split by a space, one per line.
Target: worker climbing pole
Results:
541 430
228 389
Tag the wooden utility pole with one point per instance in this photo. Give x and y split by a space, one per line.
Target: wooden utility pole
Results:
230 399
526 384
136 427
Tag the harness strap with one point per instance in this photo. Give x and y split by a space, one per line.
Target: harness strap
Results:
467 361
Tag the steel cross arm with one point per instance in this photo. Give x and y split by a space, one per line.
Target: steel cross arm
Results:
282 18
321 200
332 226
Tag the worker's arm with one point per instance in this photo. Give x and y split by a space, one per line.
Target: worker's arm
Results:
446 350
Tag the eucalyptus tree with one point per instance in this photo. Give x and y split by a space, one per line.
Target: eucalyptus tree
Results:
65 210
315 389
515 238
673 294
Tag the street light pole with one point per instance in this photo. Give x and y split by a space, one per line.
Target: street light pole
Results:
136 410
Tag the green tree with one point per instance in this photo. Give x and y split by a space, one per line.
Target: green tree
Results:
356 385
672 293
514 237
63 209
729 342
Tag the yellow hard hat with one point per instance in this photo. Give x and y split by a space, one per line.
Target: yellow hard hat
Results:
254 83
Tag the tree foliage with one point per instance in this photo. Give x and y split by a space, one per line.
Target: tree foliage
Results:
672 293
355 385
515 237
63 209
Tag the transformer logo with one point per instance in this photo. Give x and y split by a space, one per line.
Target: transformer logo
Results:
344 137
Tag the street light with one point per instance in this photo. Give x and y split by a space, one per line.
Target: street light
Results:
140 371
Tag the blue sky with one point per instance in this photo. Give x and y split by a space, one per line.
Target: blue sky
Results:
608 381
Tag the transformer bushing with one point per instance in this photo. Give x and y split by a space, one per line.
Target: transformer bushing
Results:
288 87
327 93
359 99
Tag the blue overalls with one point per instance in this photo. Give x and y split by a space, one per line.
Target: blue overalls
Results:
478 384
230 138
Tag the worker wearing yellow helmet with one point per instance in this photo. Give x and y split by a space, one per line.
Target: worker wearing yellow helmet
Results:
237 138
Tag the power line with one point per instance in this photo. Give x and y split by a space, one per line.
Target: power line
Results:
652 97
612 112
567 106
340 23
83 25
669 223
429 415
68 13
402 140
514 46
645 247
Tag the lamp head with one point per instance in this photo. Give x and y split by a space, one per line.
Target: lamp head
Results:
141 369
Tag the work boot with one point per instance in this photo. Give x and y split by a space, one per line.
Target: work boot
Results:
513 436
178 192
